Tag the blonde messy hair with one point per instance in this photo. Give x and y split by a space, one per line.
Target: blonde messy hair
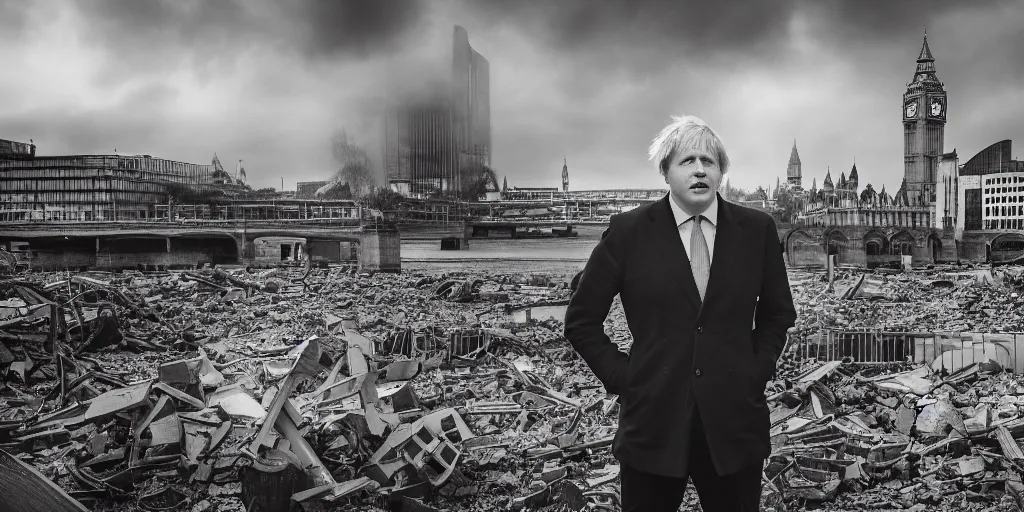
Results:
683 134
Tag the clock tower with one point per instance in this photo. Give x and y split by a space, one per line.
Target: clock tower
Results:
924 121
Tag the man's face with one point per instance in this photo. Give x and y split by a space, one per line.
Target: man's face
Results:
693 177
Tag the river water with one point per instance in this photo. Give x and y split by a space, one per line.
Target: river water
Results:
539 255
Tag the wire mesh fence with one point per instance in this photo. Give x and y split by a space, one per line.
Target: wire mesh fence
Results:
948 351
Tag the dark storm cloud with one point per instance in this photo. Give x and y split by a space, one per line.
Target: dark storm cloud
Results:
705 29
356 26
314 28
696 25
210 36
882 21
269 81
14 16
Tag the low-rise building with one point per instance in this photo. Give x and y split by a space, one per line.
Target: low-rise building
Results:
95 187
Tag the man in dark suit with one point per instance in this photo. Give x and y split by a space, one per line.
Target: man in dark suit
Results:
692 271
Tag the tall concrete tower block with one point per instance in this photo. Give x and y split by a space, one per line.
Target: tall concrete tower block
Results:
471 100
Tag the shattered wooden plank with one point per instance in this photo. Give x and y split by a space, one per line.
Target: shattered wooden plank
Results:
180 395
25 489
117 400
307 365
1009 445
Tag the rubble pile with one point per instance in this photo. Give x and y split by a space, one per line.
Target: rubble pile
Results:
330 389
948 299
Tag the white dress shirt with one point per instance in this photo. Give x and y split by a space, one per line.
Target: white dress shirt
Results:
708 228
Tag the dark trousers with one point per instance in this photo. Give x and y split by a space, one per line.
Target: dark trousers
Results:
737 492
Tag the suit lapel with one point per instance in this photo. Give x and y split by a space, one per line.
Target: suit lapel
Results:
728 235
671 249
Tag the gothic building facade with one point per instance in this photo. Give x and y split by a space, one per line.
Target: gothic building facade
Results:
868 227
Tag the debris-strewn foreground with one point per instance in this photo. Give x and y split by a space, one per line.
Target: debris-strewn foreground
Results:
327 389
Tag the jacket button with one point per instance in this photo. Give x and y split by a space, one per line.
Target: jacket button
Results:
700 329
698 373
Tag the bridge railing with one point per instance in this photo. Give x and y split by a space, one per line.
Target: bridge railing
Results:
948 351
131 224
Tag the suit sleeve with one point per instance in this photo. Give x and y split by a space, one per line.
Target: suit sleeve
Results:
775 312
599 283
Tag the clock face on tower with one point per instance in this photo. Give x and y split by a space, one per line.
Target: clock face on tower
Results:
911 109
936 107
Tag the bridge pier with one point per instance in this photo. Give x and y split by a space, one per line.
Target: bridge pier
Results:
380 249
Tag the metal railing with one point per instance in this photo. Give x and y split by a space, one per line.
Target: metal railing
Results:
948 351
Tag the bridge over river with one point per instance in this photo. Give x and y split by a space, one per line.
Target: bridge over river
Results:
169 244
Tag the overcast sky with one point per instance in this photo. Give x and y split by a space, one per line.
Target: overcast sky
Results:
590 80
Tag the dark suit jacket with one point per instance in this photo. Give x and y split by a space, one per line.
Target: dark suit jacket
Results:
686 353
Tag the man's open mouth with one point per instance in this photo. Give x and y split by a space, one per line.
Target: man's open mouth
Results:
696 186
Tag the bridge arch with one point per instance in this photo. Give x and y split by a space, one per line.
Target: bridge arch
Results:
1008 241
216 248
1007 247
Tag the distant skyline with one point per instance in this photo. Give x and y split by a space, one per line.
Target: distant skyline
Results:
270 82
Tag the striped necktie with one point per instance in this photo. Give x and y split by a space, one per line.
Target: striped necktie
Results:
700 260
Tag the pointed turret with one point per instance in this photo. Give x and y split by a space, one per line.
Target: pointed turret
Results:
925 71
901 198
794 170
794 155
854 179
828 186
926 52
842 181
504 184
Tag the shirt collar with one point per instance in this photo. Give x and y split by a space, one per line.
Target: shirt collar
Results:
681 215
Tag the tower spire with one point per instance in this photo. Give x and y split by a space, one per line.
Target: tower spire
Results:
925 71
794 171
926 52
794 155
